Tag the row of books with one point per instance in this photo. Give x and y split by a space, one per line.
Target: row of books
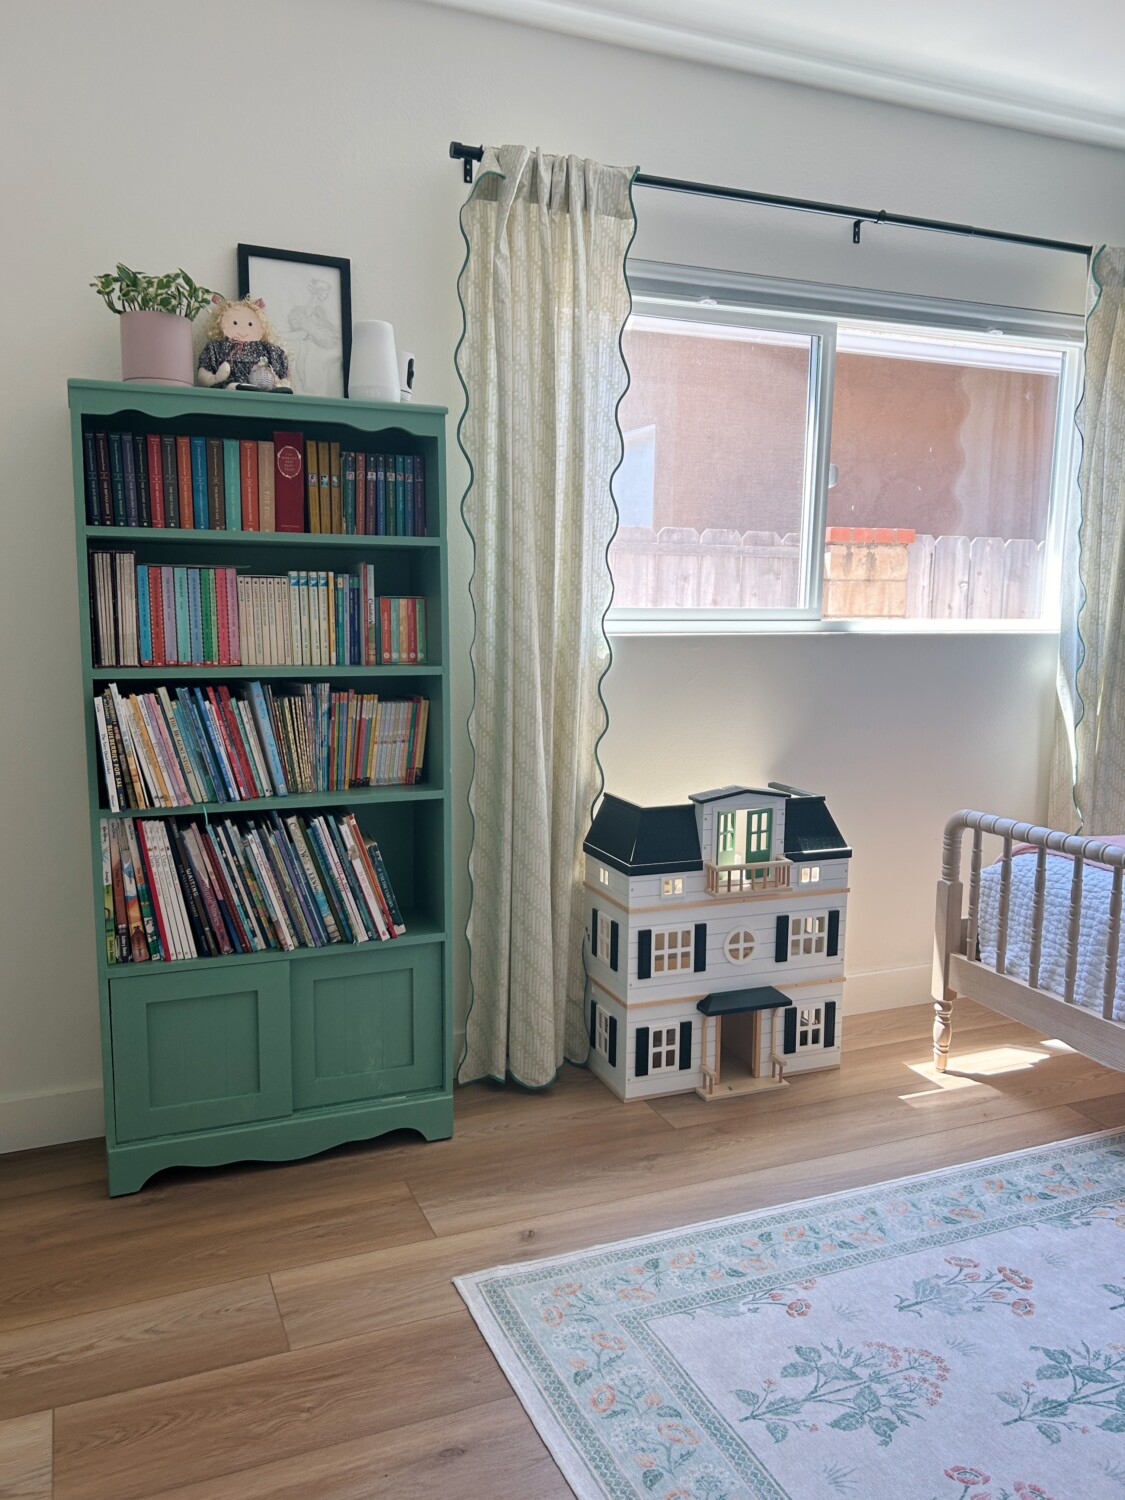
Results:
190 890
153 615
206 744
291 483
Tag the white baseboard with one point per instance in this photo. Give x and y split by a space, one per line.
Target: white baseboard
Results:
887 989
31 1120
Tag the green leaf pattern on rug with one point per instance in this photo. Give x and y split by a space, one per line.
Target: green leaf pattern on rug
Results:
876 1386
1087 1391
969 1288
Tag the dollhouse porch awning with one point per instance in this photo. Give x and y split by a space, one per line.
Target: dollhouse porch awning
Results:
734 1002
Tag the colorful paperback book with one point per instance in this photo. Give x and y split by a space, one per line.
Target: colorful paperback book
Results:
199 506
216 489
232 483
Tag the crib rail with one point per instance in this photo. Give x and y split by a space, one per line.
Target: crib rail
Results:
1045 841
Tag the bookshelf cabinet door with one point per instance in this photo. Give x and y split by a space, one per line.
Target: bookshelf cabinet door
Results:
366 1025
200 1050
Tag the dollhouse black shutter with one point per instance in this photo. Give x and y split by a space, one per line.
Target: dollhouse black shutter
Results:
685 1046
790 1030
830 1024
644 962
781 943
594 932
641 1069
700 948
614 936
833 934
612 1059
593 1022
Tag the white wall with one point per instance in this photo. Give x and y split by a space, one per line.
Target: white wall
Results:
164 135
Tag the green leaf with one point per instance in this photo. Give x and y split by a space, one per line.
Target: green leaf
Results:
581 1376
848 1421
1052 1434
669 1411
652 1478
1051 1372
786 1407
1120 1398
865 1399
884 1427
1057 1356
807 1353
795 1370
748 1398
1115 1423
1008 1399
1088 1373
778 1431
1047 1408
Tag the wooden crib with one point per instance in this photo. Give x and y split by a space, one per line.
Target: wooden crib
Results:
1066 1010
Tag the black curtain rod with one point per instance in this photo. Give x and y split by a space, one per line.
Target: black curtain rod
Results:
859 216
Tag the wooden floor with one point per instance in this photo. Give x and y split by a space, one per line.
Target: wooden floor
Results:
290 1332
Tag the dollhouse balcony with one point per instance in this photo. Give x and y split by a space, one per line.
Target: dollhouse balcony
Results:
730 882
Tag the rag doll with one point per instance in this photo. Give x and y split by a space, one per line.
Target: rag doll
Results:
240 350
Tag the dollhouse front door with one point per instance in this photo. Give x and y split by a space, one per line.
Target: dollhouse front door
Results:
759 835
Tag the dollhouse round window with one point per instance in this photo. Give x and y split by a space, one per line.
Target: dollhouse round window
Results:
740 946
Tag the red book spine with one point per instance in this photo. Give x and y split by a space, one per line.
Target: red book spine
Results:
153 892
385 637
235 640
412 630
156 615
248 460
219 721
156 479
222 617
235 736
183 464
289 481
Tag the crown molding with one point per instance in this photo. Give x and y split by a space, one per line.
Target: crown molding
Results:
948 96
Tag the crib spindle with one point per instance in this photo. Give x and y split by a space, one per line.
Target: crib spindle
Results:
1113 943
1005 903
974 897
1073 930
1038 905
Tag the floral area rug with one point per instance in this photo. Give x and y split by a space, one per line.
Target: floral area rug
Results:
955 1336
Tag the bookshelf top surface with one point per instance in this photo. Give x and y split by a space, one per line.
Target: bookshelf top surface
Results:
101 397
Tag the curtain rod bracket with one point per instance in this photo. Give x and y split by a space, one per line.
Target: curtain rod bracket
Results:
467 155
879 218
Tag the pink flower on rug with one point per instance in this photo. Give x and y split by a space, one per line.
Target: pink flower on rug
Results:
654 1398
793 1232
676 1432
552 1316
636 1294
966 1213
962 1261
962 1475
577 1364
807 1286
678 1495
567 1289
603 1398
800 1308
1017 1278
646 1460
995 1184
1023 1308
777 1296
972 1275
1030 1491
898 1208
608 1341
716 1274
684 1259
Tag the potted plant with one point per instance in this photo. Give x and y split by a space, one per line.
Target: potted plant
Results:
156 314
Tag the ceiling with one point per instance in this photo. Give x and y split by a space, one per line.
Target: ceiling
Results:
1033 64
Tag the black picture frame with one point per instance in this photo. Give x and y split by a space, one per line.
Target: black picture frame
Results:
310 367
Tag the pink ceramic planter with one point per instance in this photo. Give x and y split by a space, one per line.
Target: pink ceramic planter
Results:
157 346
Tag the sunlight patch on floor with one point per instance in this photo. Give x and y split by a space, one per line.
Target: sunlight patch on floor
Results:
971 1068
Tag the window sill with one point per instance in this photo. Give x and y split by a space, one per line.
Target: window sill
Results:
672 623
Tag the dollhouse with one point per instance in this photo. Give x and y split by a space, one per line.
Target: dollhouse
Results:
715 941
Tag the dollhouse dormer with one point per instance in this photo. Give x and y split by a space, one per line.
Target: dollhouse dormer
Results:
739 829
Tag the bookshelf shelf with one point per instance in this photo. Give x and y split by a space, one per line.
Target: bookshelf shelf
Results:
274 1055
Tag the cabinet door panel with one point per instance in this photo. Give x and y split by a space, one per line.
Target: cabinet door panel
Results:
366 1025
200 1050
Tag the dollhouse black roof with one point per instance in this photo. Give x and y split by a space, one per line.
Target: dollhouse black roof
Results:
810 829
731 791
735 1002
644 840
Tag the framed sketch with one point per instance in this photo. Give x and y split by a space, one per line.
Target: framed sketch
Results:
309 306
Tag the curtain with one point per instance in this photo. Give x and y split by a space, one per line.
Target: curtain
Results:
1088 770
545 300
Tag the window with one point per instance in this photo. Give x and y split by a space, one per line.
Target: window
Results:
739 946
810 874
605 938
809 1024
603 874
808 936
794 452
727 831
672 885
601 1040
672 952
663 1055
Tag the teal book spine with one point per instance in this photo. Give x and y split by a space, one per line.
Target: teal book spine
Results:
232 482
183 627
195 617
348 461
400 496
199 509
144 616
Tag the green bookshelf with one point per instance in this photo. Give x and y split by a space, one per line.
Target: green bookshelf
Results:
272 1056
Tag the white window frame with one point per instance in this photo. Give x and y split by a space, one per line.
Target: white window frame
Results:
810 875
740 945
601 1034
605 937
810 1027
663 1049
673 950
695 294
671 886
603 875
808 937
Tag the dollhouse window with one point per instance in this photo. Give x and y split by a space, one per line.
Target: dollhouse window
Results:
727 825
808 936
605 939
663 1054
673 951
739 946
810 874
672 885
601 1039
603 874
809 1026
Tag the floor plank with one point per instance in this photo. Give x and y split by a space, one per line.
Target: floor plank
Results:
25 1457
490 1450
129 1445
141 1343
293 1331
